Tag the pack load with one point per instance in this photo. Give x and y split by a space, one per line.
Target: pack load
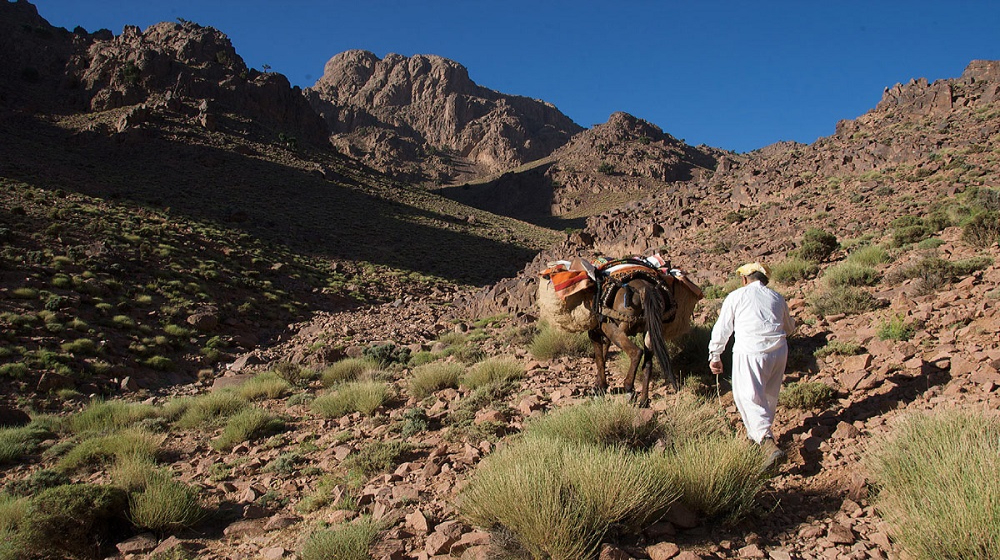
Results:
575 295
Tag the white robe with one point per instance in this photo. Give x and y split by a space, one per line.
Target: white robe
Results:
759 318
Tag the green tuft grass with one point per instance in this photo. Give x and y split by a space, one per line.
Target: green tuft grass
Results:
793 269
356 396
245 425
102 416
896 328
102 450
607 422
492 371
806 394
349 541
164 504
843 299
267 385
435 376
851 274
551 343
936 483
349 369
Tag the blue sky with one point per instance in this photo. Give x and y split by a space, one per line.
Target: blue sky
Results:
732 74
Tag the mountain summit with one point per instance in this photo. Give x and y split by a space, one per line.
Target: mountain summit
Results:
423 117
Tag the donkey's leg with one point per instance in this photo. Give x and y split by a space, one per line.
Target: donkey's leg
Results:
647 373
599 341
621 339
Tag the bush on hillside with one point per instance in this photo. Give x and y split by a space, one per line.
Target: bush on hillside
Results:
936 484
817 245
794 269
983 229
843 299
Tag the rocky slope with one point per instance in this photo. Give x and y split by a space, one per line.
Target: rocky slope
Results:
606 166
909 156
421 117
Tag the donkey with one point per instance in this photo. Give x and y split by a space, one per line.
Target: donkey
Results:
638 305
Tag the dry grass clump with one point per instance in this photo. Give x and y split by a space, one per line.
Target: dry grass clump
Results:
101 416
843 299
204 410
348 369
552 343
557 492
838 347
16 442
349 541
869 255
247 424
937 486
851 274
164 504
435 376
794 269
493 371
267 385
806 394
355 396
606 422
559 499
130 442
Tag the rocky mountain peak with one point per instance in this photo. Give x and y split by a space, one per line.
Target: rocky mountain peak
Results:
423 118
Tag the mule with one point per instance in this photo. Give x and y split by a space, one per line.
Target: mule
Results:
638 306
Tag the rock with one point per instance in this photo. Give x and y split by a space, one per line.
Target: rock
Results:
230 381
611 552
244 528
13 417
846 431
751 551
204 321
444 535
172 546
49 382
389 549
662 551
687 555
281 521
244 361
417 521
839 534
682 516
139 544
272 553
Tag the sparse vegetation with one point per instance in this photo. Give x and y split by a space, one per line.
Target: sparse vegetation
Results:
935 481
806 394
552 343
817 245
356 396
843 299
794 269
896 328
435 376
492 371
348 369
349 541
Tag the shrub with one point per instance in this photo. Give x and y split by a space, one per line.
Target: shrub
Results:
851 274
839 348
794 269
492 371
102 416
31 486
932 272
817 245
265 385
378 456
712 291
434 376
415 420
896 328
24 293
356 396
349 541
16 442
599 422
15 370
843 299
164 504
983 229
724 486
552 343
869 255
83 346
348 369
205 410
806 394
130 442
160 363
559 499
936 482
74 521
245 425
387 354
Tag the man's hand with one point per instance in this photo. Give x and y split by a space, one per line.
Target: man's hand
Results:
716 367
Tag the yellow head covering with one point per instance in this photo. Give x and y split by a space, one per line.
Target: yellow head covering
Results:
750 268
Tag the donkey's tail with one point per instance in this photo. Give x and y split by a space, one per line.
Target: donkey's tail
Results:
653 305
